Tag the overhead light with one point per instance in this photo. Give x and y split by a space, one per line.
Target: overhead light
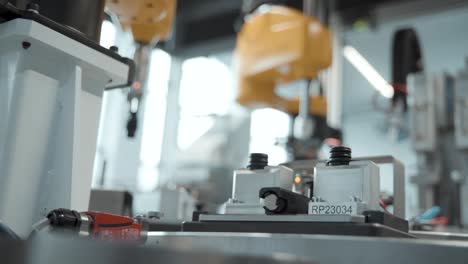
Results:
369 72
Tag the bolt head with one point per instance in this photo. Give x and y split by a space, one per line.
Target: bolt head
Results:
270 202
114 49
26 45
33 7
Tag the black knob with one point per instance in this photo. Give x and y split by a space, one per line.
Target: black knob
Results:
339 156
64 218
33 7
132 125
258 161
114 49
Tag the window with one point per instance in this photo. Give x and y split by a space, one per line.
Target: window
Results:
267 127
108 34
206 92
154 120
155 108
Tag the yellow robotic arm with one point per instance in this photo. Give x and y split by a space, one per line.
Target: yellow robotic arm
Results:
280 46
149 20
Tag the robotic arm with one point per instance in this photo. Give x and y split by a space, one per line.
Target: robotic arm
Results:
149 22
281 47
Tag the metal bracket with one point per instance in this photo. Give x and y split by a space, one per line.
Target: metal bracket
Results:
398 177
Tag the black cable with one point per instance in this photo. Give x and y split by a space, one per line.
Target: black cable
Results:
406 59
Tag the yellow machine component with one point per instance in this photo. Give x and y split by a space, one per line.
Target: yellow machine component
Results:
149 20
279 46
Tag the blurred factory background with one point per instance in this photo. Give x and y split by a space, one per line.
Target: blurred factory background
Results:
246 117
193 133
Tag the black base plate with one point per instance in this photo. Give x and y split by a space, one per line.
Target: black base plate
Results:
317 228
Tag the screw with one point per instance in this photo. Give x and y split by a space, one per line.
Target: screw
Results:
33 7
26 45
114 49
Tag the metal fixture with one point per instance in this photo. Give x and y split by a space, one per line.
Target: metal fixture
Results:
339 156
258 161
49 114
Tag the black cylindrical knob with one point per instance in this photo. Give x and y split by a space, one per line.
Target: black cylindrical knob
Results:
64 218
33 7
114 49
258 161
339 156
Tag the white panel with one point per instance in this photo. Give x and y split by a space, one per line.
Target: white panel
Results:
439 100
8 67
51 130
59 161
461 111
339 184
422 114
247 184
33 104
85 150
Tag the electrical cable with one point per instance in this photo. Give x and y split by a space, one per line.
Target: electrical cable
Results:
44 224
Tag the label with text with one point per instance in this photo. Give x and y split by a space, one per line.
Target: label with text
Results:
333 209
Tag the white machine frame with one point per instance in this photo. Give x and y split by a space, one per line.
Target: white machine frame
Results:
50 103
